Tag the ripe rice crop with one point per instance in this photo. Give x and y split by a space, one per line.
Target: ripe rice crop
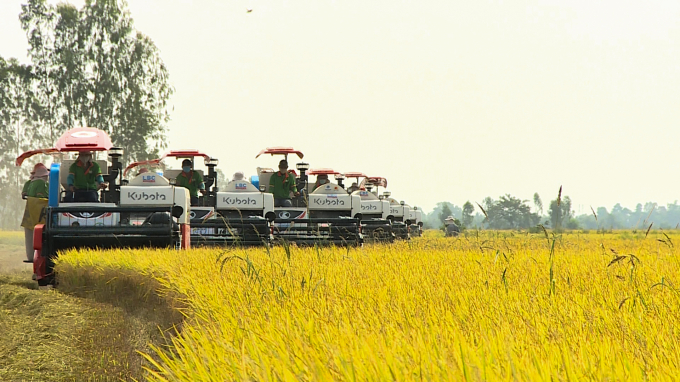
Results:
482 307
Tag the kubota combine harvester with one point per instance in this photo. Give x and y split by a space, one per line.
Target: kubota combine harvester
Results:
239 214
327 214
376 224
147 212
398 215
416 215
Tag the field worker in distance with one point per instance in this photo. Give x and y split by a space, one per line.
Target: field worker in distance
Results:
353 187
24 191
238 175
84 179
321 180
281 184
36 199
191 180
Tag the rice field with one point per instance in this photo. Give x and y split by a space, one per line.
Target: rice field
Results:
487 306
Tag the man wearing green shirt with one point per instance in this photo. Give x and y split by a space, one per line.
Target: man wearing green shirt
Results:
36 190
281 184
84 179
191 180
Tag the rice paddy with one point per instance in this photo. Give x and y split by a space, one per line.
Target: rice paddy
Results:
486 306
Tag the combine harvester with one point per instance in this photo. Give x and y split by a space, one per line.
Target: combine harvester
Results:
416 217
147 212
399 213
238 215
376 224
322 215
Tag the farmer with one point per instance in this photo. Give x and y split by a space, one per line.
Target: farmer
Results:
281 184
36 200
451 228
353 187
84 179
321 180
238 175
24 191
191 180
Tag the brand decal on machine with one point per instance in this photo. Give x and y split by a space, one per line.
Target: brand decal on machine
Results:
149 178
329 202
369 207
146 196
238 201
284 215
241 186
394 210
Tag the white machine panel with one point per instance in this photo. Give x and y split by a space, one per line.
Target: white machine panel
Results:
89 219
330 202
147 196
253 200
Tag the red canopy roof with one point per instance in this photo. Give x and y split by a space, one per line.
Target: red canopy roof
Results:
354 175
186 153
322 171
78 139
376 181
21 158
84 139
281 151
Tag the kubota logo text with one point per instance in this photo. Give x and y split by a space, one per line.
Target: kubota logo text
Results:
238 201
369 207
329 202
146 196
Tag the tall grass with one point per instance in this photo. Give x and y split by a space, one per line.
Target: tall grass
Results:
474 308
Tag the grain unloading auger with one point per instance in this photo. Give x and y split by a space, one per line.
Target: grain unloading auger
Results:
238 215
147 212
376 224
319 215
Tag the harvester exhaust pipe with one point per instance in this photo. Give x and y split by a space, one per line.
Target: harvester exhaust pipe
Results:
113 194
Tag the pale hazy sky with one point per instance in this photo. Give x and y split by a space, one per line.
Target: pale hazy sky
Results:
450 100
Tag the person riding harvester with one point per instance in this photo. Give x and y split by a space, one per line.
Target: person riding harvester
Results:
89 207
307 213
238 215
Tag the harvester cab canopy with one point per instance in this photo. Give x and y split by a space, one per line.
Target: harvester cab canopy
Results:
323 179
177 154
373 184
358 177
261 181
76 140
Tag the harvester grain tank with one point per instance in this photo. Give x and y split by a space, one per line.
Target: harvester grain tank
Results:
147 212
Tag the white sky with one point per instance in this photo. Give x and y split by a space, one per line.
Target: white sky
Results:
450 100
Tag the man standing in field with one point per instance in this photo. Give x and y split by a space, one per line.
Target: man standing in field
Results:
281 184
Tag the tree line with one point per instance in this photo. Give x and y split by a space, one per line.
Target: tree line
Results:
88 67
509 212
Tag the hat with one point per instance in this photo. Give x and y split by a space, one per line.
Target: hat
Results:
283 162
85 152
450 218
41 172
186 162
238 175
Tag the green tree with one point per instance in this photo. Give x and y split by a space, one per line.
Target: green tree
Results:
16 99
538 203
560 214
94 69
468 210
511 213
